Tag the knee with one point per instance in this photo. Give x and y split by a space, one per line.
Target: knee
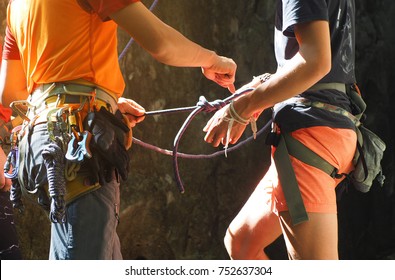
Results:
243 246
235 246
230 245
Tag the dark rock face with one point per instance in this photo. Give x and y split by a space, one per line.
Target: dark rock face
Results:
157 221
366 221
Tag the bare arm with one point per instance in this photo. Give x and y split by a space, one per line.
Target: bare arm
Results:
307 67
12 87
12 82
170 47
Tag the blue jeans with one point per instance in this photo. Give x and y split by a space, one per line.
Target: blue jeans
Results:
89 231
90 228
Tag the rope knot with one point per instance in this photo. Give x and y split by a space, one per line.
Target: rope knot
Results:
210 106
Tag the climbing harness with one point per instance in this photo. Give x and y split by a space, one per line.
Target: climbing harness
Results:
62 106
286 145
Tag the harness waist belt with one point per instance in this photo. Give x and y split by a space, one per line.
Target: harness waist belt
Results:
337 86
46 91
325 106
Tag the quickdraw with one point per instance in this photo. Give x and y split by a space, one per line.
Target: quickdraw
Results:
13 157
12 164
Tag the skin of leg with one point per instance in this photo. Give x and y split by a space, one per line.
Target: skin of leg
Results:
316 239
255 226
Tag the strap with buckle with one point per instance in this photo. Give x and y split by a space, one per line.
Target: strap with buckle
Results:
46 91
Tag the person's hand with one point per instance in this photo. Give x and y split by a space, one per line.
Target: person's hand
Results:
223 72
5 183
217 129
134 112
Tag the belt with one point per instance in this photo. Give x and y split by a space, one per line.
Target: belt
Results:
337 86
72 93
326 106
319 105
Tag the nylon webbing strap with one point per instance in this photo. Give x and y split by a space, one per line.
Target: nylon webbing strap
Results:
298 150
287 177
337 86
45 91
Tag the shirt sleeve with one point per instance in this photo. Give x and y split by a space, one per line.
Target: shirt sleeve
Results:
104 8
10 50
299 11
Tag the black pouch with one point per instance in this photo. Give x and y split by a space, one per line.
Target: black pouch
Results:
367 160
107 143
370 148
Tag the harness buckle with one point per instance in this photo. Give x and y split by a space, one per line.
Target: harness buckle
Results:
272 139
335 174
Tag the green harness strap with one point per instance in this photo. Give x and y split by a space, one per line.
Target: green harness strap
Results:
298 150
287 177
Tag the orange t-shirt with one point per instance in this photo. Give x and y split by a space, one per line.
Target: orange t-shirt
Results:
66 40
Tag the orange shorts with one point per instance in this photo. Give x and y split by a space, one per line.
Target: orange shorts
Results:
335 145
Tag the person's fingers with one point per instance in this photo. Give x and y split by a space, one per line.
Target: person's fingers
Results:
134 120
232 88
129 106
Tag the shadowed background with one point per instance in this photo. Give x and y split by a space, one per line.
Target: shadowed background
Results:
157 222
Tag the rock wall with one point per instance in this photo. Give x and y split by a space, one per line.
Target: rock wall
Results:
157 221
366 221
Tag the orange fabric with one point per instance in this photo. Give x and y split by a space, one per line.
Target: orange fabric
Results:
5 113
104 8
60 41
337 146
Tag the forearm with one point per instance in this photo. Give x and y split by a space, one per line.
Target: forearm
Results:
177 50
12 82
163 42
296 77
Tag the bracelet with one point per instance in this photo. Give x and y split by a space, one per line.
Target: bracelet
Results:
234 115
